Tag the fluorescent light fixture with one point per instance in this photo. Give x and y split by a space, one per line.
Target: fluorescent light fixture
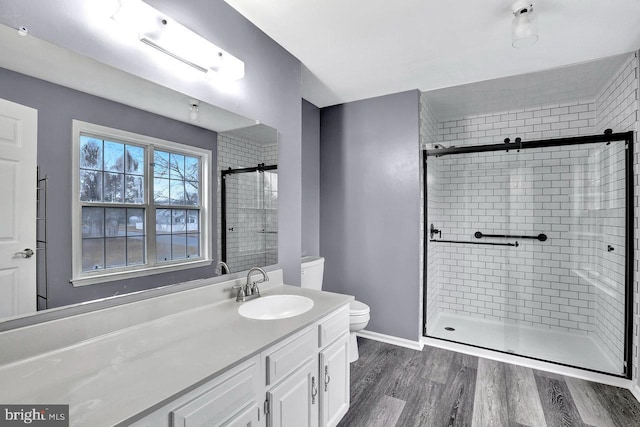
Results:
157 30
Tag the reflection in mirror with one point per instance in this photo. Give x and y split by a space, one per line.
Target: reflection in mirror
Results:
62 85
248 197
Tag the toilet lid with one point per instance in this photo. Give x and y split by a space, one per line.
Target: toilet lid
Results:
357 307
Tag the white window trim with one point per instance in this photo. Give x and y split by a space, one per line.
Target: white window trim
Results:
80 278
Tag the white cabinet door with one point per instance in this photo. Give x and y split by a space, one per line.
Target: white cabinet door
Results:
225 398
249 418
334 385
294 402
18 141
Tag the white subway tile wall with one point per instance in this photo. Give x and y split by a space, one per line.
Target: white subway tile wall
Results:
575 195
554 190
252 203
617 106
545 122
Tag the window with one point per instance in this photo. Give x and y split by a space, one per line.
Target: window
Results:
140 205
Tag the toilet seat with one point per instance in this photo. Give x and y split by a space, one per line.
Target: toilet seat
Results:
357 308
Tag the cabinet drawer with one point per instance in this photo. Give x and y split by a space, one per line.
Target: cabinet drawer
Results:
331 328
286 358
223 401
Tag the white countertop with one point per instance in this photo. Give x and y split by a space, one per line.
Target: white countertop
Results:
112 378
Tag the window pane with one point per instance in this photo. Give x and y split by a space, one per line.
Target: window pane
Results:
116 252
160 164
92 222
90 153
179 246
135 222
178 221
163 247
134 160
177 166
113 187
161 191
192 168
191 193
193 245
163 221
92 254
134 191
90 186
193 221
115 222
176 192
135 250
113 156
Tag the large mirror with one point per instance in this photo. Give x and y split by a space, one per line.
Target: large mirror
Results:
66 88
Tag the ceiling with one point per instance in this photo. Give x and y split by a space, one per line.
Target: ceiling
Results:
359 49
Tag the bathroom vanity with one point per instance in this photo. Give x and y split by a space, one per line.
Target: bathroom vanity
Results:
187 359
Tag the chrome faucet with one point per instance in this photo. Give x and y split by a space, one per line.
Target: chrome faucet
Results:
224 267
250 290
253 286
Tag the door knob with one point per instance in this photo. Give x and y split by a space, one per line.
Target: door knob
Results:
27 253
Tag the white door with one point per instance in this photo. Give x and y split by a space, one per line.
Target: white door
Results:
334 386
294 402
18 141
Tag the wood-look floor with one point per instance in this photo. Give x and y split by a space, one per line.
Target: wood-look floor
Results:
396 386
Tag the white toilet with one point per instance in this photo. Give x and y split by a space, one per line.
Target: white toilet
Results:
312 274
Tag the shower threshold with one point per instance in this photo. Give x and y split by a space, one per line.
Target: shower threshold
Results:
576 350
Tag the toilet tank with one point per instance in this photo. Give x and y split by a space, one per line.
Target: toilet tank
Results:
312 272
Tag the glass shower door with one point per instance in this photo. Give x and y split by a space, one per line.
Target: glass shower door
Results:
528 252
250 219
465 272
570 288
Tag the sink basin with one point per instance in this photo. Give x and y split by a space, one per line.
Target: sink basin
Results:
275 307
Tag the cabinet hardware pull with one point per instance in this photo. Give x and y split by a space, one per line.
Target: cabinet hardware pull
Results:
314 390
327 378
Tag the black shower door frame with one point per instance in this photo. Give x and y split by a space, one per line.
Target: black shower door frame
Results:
223 197
607 137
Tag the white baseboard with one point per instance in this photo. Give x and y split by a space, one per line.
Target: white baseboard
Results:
635 390
402 342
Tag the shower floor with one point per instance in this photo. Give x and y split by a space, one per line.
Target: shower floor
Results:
546 344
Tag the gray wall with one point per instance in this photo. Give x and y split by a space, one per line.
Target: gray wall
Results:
57 106
310 179
370 207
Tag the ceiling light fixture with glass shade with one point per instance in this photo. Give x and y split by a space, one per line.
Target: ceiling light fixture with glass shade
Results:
162 33
524 27
194 113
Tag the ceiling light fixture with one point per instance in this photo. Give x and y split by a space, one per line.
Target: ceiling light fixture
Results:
164 34
193 110
524 27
